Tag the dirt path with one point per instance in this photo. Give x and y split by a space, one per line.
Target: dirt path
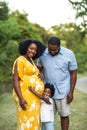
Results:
82 84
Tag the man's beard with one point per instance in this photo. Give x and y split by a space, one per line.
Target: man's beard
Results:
54 54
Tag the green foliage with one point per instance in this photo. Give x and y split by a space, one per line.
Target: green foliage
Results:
15 26
43 33
65 31
3 57
82 58
81 13
4 10
9 29
7 58
63 43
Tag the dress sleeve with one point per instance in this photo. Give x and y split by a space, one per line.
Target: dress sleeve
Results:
20 67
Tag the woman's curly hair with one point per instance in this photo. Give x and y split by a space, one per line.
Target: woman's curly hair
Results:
24 44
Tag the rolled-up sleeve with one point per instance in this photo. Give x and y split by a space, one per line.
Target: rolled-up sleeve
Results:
73 62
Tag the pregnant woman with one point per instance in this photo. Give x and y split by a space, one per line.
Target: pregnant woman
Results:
25 73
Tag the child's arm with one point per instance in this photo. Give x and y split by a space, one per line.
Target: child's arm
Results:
39 95
36 93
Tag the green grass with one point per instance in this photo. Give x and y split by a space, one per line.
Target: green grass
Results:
78 117
82 75
7 112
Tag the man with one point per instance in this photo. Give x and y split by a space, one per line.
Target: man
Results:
60 69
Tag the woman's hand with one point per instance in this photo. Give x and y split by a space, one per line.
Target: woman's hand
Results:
23 103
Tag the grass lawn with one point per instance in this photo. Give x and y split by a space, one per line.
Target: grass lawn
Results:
78 117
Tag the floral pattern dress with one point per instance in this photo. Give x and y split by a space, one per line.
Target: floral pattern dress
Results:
30 118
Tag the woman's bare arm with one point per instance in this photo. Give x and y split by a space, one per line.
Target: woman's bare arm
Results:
17 88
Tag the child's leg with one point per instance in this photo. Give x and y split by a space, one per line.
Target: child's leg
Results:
47 126
43 126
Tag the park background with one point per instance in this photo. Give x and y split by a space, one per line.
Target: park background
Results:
15 26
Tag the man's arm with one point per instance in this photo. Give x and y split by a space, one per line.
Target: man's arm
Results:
40 75
73 79
39 65
40 68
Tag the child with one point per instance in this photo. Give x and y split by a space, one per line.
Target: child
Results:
47 112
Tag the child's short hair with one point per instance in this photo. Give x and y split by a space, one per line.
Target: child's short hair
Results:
51 87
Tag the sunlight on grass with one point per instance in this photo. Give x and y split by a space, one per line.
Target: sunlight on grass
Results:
7 112
82 75
78 117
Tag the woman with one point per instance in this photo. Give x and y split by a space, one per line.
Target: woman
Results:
25 74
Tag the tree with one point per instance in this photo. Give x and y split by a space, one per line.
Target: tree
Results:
65 31
81 13
4 10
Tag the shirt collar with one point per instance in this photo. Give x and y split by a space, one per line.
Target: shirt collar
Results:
60 52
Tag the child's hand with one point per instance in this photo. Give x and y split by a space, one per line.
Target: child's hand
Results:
46 100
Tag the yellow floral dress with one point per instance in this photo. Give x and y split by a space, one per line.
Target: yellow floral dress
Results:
30 118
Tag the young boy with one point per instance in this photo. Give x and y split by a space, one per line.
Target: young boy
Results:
47 112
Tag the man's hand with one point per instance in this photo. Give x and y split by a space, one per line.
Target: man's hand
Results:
69 97
40 75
